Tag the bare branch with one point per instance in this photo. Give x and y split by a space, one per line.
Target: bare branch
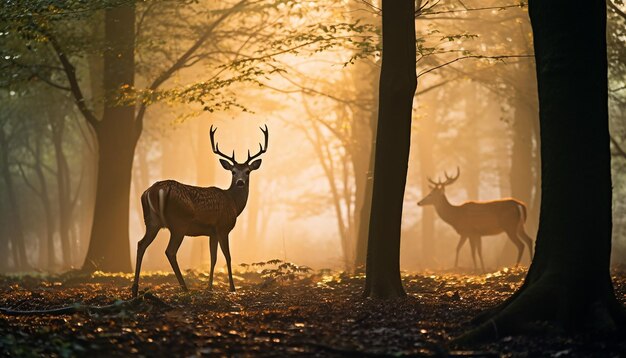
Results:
617 10
520 5
70 73
619 151
182 60
472 56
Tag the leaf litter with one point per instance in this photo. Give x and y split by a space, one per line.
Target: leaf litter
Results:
279 309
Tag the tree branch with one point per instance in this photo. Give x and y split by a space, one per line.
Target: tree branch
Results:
472 56
520 5
70 72
617 10
27 182
180 62
620 152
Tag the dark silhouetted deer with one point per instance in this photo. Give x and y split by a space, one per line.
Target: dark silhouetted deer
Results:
194 211
472 219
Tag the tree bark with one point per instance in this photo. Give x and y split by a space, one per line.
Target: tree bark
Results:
569 282
109 247
397 89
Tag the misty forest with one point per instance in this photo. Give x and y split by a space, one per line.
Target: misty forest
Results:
430 178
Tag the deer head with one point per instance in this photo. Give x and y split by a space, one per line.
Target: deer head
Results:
438 189
240 171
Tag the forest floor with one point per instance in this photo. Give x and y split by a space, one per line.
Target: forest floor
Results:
283 310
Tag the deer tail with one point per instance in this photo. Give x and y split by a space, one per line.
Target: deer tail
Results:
146 206
522 211
162 197
160 213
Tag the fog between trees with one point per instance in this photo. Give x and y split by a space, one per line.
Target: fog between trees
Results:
309 70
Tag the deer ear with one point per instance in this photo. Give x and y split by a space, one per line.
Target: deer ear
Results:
256 164
226 165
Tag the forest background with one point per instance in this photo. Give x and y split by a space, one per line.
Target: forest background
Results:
307 69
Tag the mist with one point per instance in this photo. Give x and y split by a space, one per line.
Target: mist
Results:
309 71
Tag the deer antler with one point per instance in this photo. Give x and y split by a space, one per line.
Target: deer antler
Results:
434 183
216 148
261 148
450 180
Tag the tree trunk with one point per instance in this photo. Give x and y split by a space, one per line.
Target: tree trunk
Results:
521 176
569 282
109 248
63 187
16 230
47 209
425 147
205 170
397 89
363 166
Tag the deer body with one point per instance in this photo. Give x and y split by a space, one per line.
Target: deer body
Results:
187 210
474 219
192 210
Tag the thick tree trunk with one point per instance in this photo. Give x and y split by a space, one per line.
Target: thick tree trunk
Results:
568 283
397 89
109 247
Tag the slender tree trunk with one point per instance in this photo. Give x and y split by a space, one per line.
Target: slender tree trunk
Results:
569 282
16 230
63 188
425 147
363 166
47 208
109 247
365 138
397 89
205 170
521 176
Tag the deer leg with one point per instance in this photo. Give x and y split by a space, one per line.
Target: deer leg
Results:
518 243
473 250
213 249
474 242
529 242
462 240
142 245
170 252
479 248
226 251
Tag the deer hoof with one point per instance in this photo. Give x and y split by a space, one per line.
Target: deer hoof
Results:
232 289
135 288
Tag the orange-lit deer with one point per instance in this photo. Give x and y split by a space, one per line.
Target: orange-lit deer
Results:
194 211
472 220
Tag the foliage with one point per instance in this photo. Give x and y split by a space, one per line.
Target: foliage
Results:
279 271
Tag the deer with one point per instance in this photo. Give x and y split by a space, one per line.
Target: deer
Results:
474 219
187 210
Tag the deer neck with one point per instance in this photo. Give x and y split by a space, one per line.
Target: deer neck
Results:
239 195
445 210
